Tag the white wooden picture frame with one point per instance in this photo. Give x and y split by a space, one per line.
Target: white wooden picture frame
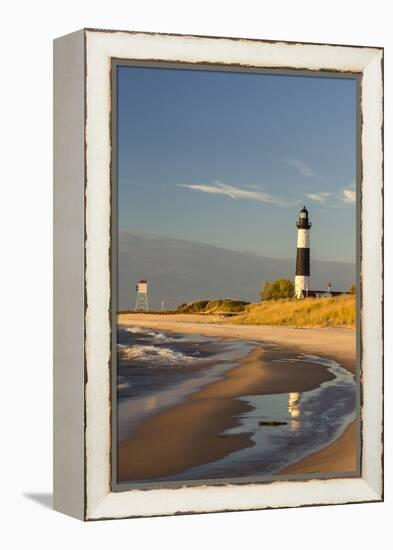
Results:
82 240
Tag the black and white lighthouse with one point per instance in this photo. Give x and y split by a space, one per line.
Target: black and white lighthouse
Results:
302 278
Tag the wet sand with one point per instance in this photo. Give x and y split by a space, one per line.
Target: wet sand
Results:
187 434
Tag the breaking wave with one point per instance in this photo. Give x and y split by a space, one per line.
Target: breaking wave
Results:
153 355
160 336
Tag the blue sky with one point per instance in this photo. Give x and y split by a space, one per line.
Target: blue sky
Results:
229 159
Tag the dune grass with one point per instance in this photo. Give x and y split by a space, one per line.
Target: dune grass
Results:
213 306
310 312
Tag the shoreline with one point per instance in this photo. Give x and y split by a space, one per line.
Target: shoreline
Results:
194 426
333 343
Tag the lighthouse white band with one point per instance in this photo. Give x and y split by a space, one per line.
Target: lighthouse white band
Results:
303 238
301 283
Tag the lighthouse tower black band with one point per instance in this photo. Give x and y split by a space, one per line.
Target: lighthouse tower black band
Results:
303 262
303 252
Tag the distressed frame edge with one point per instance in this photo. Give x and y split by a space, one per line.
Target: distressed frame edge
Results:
372 137
235 38
366 494
376 491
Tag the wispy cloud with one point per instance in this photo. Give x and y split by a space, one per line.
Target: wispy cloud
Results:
303 168
218 188
348 196
254 193
318 197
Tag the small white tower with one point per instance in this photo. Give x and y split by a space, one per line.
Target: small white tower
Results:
142 303
302 279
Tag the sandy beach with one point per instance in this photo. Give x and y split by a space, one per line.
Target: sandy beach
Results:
191 430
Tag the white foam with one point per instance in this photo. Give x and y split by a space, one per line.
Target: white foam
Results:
145 331
137 330
154 355
156 335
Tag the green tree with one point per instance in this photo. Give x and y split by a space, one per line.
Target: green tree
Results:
277 290
352 289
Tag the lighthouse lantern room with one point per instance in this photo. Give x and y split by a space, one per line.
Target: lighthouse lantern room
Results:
302 279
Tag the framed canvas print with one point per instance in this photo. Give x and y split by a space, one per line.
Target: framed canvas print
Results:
218 274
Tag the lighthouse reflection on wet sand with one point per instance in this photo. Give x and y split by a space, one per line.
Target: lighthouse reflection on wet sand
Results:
302 279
